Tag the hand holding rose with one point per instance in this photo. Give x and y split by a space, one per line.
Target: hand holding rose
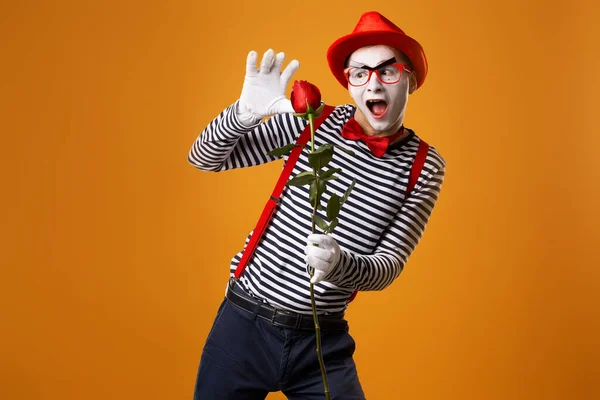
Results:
323 258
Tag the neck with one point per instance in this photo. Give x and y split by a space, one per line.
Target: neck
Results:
368 129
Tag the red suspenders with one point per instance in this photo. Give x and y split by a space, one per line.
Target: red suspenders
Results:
269 209
265 217
415 171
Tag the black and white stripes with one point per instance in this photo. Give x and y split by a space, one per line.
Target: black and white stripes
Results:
377 230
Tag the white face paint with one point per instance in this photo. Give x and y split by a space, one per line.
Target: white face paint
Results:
394 95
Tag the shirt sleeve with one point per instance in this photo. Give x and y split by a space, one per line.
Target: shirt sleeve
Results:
227 144
378 270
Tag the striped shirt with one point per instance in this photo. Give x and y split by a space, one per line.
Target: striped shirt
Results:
378 228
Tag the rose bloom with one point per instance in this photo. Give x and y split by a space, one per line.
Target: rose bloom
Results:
302 91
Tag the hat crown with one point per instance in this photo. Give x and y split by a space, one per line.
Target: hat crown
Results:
373 21
375 29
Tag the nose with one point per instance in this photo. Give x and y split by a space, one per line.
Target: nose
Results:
374 85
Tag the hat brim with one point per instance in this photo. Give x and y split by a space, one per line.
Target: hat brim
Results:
346 45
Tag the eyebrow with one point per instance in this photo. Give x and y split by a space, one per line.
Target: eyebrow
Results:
381 64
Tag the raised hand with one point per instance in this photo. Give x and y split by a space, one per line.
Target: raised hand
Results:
263 93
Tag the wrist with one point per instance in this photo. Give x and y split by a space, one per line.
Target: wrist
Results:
335 273
245 117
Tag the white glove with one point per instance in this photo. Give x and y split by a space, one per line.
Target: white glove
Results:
263 92
324 257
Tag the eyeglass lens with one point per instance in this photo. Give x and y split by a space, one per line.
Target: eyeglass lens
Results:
387 74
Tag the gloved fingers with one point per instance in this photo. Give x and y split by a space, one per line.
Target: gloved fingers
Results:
280 106
267 62
320 239
251 64
320 253
278 61
285 106
317 276
317 263
287 73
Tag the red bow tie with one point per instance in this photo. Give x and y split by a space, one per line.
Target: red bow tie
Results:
378 145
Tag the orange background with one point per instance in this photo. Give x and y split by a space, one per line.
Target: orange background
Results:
115 250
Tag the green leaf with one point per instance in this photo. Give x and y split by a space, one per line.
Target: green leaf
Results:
347 193
322 187
320 222
345 150
324 147
330 178
317 194
318 110
321 157
333 207
332 225
282 150
303 178
329 172
303 116
312 193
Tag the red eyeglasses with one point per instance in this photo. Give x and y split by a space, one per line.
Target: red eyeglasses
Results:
389 74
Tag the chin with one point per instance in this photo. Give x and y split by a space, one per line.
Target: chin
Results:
375 123
379 126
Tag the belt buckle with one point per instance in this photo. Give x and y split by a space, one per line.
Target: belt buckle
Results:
297 323
275 323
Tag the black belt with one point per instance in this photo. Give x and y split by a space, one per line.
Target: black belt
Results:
279 317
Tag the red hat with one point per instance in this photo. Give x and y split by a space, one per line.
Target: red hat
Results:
373 28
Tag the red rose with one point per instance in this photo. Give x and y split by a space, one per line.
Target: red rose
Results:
303 92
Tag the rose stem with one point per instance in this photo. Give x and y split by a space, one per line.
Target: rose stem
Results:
312 270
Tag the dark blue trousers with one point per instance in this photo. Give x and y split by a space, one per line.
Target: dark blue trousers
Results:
246 357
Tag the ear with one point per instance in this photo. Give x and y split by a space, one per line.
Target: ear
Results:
412 84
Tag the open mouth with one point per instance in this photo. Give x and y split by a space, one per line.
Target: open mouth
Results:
377 108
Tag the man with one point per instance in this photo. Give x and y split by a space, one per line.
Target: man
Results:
261 340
